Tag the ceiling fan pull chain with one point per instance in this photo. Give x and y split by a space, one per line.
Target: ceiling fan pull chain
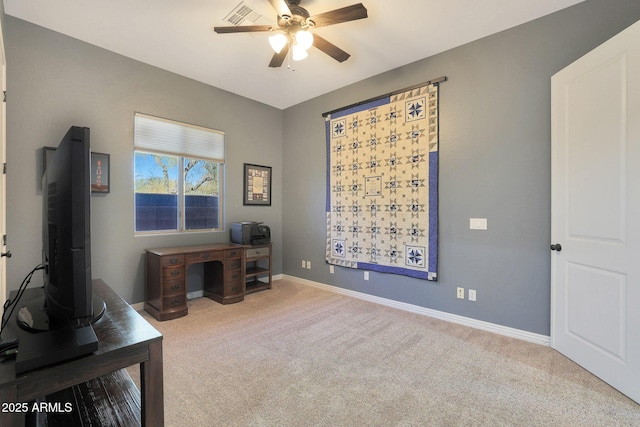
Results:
289 61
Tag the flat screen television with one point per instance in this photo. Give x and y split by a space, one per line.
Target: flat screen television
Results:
61 317
66 240
66 232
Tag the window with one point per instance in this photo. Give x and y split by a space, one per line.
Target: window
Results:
178 171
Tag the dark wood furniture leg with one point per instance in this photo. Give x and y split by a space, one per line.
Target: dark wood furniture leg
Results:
151 385
10 418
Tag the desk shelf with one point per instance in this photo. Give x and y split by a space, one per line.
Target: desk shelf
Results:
258 268
256 271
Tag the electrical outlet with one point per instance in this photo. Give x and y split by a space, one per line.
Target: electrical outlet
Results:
366 275
308 265
461 293
304 264
331 269
472 294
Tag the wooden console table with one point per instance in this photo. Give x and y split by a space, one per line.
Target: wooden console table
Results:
125 339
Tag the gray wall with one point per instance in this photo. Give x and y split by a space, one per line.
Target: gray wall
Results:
55 82
494 158
494 163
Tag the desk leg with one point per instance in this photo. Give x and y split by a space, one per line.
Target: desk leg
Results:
10 418
151 382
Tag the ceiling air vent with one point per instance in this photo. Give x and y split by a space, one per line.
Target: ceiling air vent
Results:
243 12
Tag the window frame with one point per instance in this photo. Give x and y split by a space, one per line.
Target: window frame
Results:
181 203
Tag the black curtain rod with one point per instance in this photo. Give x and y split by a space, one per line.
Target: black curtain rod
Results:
438 80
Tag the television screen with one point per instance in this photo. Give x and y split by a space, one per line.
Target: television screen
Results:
61 317
66 230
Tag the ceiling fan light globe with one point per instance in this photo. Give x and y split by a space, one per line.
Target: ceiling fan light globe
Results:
304 39
298 52
278 42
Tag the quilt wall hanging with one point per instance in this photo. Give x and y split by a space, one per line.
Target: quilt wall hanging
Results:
382 184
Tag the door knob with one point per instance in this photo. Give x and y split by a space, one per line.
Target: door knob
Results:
556 247
7 254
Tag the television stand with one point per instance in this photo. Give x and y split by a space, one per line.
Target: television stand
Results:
124 339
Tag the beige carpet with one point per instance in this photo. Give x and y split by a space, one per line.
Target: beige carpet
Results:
299 356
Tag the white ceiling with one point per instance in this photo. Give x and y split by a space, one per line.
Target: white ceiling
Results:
177 35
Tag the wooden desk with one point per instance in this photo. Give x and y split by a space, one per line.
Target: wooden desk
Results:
166 277
125 339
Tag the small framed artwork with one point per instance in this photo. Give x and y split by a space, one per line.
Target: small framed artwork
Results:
257 185
47 155
100 173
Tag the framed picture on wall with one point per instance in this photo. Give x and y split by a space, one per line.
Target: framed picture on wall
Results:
99 169
47 155
100 173
257 185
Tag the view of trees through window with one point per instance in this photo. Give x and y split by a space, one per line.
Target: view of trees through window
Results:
176 193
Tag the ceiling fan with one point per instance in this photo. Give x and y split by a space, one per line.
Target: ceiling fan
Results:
292 32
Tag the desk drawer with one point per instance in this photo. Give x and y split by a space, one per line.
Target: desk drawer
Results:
204 256
173 273
233 275
171 287
233 289
233 253
233 264
172 260
257 252
174 301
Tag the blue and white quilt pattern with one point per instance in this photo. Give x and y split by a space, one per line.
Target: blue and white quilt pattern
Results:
382 185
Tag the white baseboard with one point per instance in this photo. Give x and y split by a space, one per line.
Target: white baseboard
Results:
195 294
454 318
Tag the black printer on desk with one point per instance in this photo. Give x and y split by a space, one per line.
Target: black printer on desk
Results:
250 233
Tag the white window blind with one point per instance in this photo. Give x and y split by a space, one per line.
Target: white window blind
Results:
163 135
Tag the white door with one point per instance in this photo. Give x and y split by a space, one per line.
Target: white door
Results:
3 176
595 200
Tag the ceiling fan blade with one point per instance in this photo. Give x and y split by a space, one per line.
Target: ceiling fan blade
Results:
243 29
330 49
345 14
281 7
278 58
